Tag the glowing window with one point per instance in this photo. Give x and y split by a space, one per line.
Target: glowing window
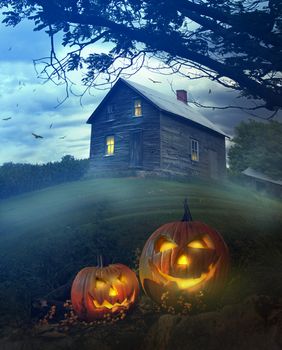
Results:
194 150
137 111
110 145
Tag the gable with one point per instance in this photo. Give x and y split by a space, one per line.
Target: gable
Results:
122 99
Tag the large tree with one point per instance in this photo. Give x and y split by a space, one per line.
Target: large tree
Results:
237 43
259 146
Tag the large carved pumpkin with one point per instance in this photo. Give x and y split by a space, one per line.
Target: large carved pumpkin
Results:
99 291
183 258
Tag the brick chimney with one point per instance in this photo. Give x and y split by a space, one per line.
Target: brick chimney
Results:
182 96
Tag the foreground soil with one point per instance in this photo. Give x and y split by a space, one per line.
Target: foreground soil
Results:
256 323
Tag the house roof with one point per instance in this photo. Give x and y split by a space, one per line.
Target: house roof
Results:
258 175
168 104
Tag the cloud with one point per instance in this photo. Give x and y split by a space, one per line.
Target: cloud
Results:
33 105
34 112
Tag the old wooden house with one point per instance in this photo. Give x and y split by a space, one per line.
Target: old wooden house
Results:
137 130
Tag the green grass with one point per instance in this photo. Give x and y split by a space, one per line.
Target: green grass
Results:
48 235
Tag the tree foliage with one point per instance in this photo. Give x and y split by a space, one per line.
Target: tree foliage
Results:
257 145
16 178
235 43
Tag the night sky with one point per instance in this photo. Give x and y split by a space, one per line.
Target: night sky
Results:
32 103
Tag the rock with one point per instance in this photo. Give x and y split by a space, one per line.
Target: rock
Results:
53 334
234 327
160 333
44 328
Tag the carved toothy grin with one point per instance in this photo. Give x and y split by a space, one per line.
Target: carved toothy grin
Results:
186 283
113 307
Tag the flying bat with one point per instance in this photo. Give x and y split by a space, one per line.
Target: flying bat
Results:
37 136
155 81
7 118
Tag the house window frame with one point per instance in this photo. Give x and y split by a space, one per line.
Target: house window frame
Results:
195 150
108 146
111 108
137 107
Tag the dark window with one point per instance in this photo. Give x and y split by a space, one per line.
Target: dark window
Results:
111 108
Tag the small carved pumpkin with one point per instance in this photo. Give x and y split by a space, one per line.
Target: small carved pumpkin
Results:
98 291
183 258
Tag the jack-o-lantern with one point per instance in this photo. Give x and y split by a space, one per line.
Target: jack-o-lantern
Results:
99 291
183 258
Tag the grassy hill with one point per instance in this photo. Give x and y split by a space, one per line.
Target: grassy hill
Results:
48 235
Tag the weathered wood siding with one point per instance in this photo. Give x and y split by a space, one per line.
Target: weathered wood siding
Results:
176 135
122 127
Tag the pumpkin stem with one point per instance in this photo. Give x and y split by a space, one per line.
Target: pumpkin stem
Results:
99 260
187 215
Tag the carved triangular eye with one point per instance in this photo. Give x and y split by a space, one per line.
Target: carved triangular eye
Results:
167 245
100 283
122 279
208 241
163 244
198 243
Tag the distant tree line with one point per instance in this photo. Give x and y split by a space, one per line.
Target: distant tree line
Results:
16 178
258 146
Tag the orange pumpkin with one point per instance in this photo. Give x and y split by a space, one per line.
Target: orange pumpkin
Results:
98 291
183 258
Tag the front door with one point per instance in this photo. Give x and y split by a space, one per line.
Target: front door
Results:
136 148
213 164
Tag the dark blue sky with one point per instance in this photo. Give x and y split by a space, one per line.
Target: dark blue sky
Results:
32 103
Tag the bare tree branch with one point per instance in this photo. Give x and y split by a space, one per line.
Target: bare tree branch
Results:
236 44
